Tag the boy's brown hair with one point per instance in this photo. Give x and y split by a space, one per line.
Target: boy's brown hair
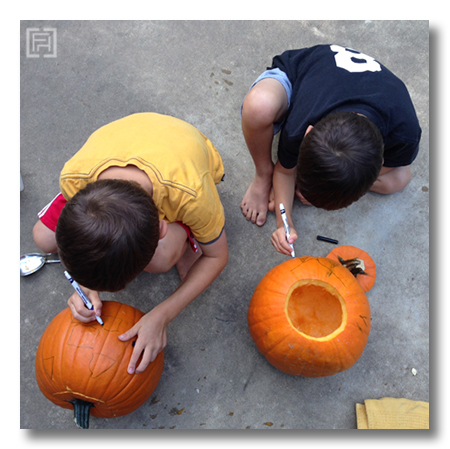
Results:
107 234
339 160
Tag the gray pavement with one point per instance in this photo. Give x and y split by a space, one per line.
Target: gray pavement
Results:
200 72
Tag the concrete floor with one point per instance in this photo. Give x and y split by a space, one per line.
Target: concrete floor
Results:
200 72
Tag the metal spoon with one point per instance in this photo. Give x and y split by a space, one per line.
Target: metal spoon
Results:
30 263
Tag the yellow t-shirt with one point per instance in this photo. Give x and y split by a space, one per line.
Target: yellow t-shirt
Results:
183 165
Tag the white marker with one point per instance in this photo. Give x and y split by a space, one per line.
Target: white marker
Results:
82 295
286 227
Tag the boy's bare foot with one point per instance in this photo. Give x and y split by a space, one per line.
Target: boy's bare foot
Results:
255 203
187 260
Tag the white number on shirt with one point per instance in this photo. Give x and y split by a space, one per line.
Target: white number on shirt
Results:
353 61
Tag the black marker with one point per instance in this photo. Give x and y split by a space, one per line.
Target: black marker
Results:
326 239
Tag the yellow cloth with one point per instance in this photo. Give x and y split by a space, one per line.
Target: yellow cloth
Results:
392 413
182 164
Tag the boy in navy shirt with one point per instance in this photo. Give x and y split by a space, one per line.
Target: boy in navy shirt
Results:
347 126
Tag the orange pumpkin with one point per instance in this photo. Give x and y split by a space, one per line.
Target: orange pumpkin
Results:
358 262
84 366
310 317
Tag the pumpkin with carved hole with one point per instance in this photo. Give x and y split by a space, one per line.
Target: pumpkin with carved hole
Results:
84 366
310 317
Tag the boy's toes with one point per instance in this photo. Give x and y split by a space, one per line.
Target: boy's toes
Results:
245 211
261 219
247 214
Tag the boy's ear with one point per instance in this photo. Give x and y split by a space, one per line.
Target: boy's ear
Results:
162 229
310 127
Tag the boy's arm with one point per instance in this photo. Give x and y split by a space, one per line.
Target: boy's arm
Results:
283 187
392 179
151 328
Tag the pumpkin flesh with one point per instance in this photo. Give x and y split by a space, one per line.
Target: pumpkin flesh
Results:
315 309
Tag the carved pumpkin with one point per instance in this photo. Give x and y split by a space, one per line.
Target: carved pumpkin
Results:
309 316
84 366
358 262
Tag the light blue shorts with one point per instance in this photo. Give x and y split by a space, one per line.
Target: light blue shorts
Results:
280 76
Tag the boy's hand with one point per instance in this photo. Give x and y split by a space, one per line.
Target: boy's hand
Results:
151 328
152 339
280 243
80 311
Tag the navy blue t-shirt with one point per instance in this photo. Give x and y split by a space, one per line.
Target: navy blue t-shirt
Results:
331 78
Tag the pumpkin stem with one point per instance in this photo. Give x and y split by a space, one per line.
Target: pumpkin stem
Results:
81 412
355 266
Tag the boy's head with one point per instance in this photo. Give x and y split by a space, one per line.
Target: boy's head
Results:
107 234
339 160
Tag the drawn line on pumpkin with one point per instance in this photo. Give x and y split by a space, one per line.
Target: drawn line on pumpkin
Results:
93 335
332 272
329 270
48 366
108 325
298 262
364 318
98 359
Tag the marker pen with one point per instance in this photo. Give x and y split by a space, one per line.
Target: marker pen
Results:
82 295
286 227
327 239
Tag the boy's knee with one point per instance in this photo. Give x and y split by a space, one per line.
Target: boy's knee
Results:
44 238
260 108
401 177
406 177
166 263
165 258
160 264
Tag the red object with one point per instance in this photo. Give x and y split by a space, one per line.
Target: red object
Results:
49 215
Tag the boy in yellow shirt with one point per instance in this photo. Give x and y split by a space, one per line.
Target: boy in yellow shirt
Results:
139 195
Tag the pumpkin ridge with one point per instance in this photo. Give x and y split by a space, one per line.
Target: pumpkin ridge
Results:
136 396
273 316
278 343
348 355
